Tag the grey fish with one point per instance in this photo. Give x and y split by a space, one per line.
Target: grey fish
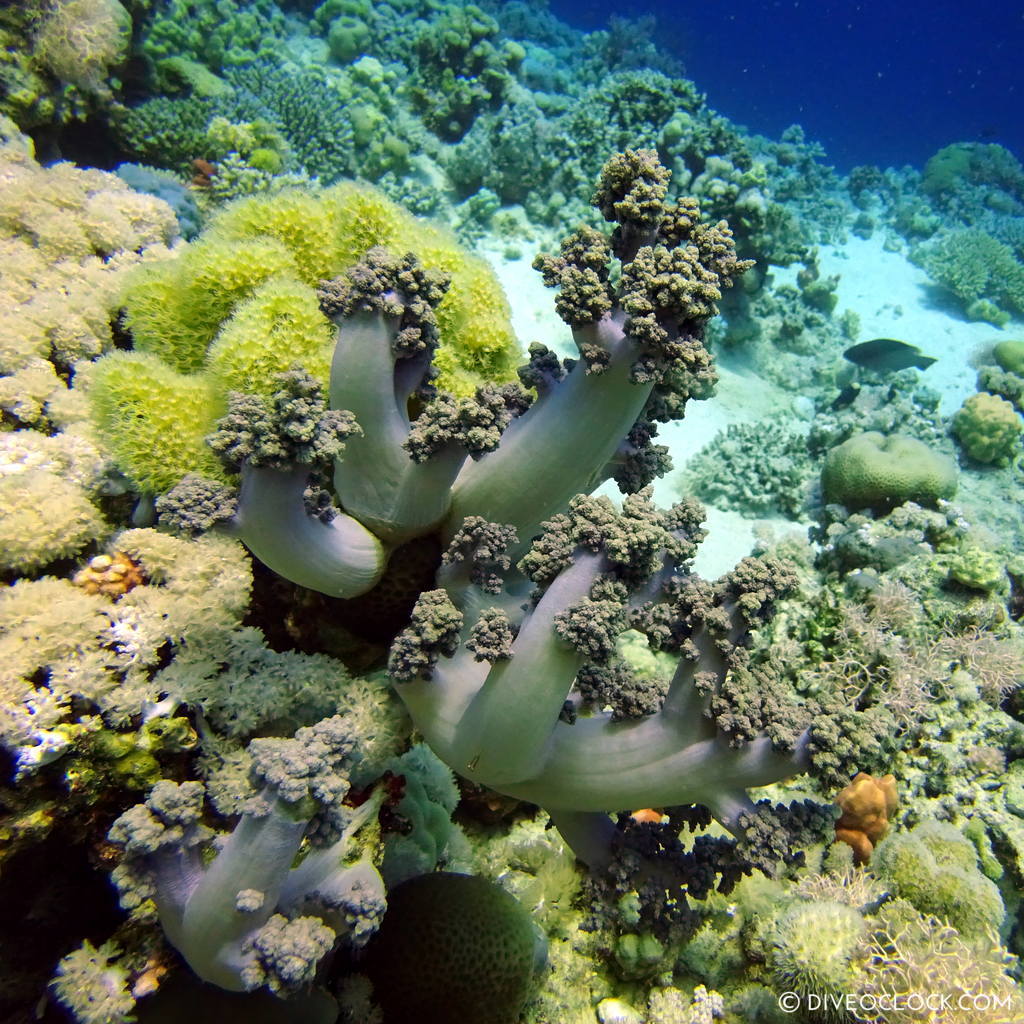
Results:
887 355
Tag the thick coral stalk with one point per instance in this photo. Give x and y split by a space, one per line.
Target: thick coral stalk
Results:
339 557
561 445
255 858
377 481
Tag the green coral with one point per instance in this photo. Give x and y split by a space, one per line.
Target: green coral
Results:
1006 385
935 867
164 131
28 94
43 519
816 947
974 267
971 163
239 305
428 837
454 947
56 58
1009 355
78 41
989 428
322 121
978 569
349 32
842 936
872 470
215 33
460 68
179 75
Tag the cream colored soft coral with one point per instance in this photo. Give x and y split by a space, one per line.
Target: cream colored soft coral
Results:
66 235
79 41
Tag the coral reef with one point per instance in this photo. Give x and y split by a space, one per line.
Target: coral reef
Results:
989 428
315 607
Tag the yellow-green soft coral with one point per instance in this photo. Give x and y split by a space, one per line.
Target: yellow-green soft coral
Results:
67 653
43 519
46 486
66 235
239 306
79 41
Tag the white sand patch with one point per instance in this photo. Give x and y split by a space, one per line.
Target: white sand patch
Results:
741 397
893 299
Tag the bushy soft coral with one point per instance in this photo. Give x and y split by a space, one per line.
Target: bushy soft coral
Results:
248 918
485 677
79 41
93 986
65 237
240 305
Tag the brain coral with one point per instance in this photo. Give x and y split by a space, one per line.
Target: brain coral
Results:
453 948
879 471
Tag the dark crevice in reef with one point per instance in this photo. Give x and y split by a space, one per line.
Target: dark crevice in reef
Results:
357 630
52 897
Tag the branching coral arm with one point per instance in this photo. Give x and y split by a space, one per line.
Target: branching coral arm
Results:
277 444
639 343
383 308
339 557
529 687
558 446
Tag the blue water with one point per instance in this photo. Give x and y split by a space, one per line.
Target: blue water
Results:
875 81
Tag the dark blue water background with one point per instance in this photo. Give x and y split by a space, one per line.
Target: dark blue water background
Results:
880 81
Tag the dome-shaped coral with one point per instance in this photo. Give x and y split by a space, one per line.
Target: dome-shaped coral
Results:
880 471
453 949
989 428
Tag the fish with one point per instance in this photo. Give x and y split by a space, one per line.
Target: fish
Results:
887 355
846 396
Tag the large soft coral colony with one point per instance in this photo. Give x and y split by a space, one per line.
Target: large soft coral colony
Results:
341 602
536 581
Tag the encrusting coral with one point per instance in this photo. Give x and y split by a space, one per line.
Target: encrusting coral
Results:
867 804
